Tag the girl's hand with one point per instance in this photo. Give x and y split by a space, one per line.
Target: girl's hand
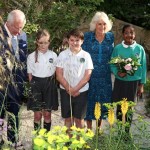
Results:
140 89
121 74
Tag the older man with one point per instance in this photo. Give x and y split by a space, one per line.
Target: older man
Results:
13 52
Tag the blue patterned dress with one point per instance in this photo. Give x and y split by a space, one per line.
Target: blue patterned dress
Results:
100 89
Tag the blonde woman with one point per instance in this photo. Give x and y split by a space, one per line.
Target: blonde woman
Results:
99 43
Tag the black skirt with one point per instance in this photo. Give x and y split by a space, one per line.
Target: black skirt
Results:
124 89
43 95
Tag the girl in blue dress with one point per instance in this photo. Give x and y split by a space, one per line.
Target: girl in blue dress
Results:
99 43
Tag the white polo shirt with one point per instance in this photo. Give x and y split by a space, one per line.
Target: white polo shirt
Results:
44 67
74 67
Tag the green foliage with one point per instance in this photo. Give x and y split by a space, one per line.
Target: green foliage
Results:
147 96
31 29
111 138
3 128
64 16
116 139
136 11
58 20
59 16
58 139
147 106
147 86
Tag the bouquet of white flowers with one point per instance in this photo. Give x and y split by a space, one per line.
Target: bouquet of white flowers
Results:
126 65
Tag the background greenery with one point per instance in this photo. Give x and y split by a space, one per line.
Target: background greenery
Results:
59 16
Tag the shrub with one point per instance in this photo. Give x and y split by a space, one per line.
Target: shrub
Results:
58 139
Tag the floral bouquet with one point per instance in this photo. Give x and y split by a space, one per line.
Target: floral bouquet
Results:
126 65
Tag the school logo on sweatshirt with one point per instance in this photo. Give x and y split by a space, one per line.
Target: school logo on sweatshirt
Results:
51 60
82 60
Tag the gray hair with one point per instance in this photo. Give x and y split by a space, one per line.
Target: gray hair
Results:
16 14
100 16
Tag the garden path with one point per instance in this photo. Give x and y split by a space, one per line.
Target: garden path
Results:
26 124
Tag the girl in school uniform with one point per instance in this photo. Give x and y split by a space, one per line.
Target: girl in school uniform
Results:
41 70
128 86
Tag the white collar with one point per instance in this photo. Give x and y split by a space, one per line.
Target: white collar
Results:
71 53
126 46
41 53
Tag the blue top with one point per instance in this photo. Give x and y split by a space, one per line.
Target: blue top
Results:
134 50
100 85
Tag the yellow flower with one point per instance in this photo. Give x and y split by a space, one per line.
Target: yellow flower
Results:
64 129
111 117
57 128
39 142
82 141
89 133
59 140
74 128
51 139
65 148
97 111
34 132
50 148
124 106
42 132
75 141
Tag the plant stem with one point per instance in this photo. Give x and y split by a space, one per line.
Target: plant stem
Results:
110 137
96 134
119 140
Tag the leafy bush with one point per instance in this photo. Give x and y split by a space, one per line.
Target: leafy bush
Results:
147 97
58 139
147 86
